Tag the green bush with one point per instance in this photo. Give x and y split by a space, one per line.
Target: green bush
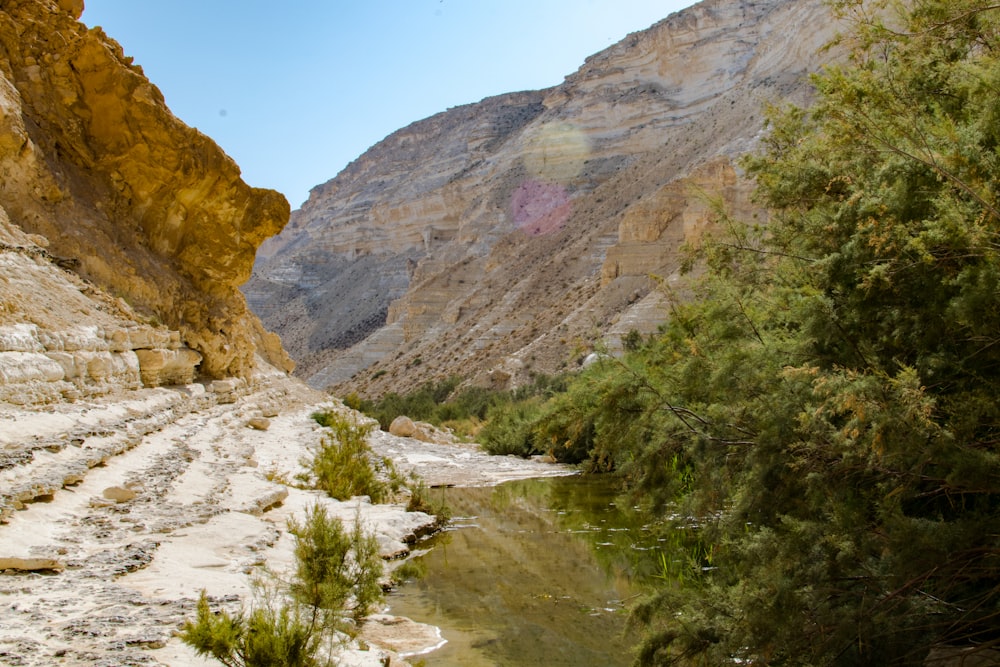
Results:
265 637
334 568
462 409
510 428
829 405
343 464
288 624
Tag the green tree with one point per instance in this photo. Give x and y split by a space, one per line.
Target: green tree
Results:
829 407
333 568
270 635
343 465
336 574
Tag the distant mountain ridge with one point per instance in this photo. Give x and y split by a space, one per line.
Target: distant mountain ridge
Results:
508 237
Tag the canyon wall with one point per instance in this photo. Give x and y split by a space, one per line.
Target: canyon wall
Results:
514 235
140 227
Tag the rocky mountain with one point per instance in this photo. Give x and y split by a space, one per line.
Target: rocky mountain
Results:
98 177
513 235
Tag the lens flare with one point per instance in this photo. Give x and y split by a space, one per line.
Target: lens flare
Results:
540 208
553 157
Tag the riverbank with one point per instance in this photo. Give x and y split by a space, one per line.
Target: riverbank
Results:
121 511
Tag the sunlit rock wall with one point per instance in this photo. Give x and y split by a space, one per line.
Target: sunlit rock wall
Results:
128 196
512 236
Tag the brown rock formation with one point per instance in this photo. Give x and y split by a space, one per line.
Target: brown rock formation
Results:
134 200
506 237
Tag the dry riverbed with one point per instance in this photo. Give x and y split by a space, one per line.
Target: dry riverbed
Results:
119 512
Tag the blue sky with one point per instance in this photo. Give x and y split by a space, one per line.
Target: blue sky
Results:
293 91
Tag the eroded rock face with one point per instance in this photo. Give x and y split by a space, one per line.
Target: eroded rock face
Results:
62 338
125 194
502 238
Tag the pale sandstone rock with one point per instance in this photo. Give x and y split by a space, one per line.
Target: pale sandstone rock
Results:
191 390
224 386
401 634
75 339
259 423
227 391
23 367
112 367
165 367
119 494
145 338
20 338
31 564
208 518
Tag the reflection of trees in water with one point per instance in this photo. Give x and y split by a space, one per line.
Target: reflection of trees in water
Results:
538 573
627 542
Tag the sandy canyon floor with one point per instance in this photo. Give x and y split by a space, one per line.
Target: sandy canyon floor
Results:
120 511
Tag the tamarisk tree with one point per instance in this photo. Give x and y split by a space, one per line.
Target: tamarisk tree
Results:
831 403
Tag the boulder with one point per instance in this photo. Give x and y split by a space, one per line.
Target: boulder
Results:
31 564
402 426
119 494
259 423
405 427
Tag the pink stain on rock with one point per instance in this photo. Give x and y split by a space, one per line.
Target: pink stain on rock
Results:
540 208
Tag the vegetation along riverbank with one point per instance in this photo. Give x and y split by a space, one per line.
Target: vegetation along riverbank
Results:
829 399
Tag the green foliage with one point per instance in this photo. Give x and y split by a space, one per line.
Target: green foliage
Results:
421 404
218 636
288 625
632 341
353 401
830 401
267 636
509 428
333 567
827 405
464 409
343 464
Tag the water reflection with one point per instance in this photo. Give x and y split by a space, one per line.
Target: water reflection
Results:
532 572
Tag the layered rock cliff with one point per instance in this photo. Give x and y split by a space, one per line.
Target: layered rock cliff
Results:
509 236
96 172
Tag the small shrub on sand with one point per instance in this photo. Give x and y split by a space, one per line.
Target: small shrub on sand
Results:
334 586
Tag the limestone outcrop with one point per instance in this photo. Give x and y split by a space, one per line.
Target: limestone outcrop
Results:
511 236
116 511
62 338
114 187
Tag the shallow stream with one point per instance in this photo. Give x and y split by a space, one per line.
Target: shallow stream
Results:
534 572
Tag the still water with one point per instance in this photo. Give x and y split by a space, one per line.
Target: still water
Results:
535 572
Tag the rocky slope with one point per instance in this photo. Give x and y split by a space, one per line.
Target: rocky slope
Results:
96 167
511 236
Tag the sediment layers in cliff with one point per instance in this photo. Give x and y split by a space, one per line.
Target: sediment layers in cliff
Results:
130 200
506 237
